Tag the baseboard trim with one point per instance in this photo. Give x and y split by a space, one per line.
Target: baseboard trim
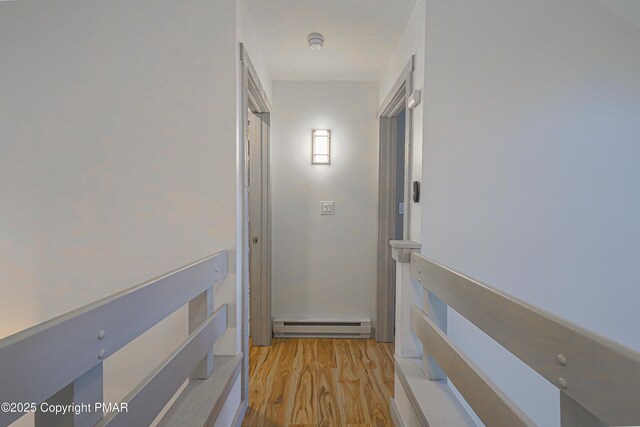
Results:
240 413
395 414
202 401
433 403
412 398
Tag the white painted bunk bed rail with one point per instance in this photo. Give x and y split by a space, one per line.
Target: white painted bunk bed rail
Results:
598 379
60 361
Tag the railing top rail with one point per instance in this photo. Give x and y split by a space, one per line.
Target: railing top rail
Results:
51 323
601 375
40 360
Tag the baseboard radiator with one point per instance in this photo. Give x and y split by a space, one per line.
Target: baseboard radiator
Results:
322 328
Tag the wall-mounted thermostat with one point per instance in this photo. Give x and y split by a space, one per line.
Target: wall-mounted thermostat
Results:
416 192
328 208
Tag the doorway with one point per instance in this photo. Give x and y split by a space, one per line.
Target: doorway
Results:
259 217
398 193
255 200
393 198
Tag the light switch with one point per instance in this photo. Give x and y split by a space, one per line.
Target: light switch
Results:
327 208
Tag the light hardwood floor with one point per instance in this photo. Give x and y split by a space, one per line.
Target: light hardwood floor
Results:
320 382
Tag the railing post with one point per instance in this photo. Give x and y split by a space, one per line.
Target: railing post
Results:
407 294
86 390
572 414
200 308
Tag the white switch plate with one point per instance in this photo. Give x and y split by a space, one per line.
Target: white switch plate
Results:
327 208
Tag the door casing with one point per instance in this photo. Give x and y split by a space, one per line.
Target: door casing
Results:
395 102
253 98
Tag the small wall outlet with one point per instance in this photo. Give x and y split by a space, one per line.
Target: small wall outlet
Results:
327 208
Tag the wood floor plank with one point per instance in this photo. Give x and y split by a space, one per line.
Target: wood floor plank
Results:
377 397
306 398
320 382
279 387
390 349
347 369
266 368
360 354
328 411
257 356
326 353
372 353
355 409
386 366
253 359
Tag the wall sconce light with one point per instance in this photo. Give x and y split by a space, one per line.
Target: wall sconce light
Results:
320 147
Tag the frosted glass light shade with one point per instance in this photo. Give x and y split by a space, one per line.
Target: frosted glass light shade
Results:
320 147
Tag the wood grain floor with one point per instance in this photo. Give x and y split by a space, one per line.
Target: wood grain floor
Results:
320 382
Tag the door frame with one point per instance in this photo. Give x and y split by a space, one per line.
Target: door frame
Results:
259 242
254 98
395 102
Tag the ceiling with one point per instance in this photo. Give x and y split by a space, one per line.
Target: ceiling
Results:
360 36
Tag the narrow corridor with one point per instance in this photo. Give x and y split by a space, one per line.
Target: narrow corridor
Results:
320 382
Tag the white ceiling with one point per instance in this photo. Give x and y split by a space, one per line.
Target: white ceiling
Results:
630 9
360 36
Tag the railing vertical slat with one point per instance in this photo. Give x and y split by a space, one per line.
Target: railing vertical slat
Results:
200 308
436 309
86 390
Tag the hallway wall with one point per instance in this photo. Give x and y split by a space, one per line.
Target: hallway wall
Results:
324 266
117 161
246 32
530 166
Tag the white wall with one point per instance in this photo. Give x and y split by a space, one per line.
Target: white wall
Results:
324 266
247 34
629 9
530 167
117 160
411 43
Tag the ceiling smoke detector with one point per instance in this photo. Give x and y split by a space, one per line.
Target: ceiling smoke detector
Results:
316 41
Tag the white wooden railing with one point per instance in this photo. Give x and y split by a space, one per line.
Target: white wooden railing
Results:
598 379
60 361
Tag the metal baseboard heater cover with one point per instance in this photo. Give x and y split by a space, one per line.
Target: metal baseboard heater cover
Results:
292 328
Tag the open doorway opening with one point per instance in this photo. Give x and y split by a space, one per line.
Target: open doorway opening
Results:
393 198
